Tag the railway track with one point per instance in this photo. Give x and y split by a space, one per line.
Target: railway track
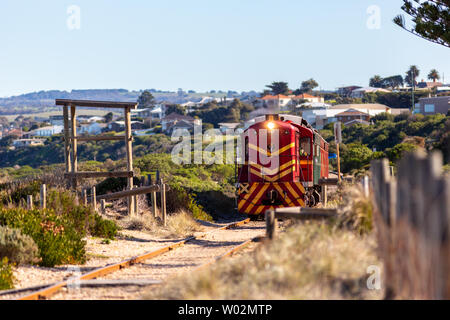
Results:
130 277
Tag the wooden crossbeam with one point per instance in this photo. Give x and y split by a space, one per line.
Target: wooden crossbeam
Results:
100 174
95 104
305 213
129 193
98 138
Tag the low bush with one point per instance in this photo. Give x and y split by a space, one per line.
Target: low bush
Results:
57 237
6 275
63 203
17 247
103 228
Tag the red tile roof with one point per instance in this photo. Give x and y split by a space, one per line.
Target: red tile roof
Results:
276 97
304 96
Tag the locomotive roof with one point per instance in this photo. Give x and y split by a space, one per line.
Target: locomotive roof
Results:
282 117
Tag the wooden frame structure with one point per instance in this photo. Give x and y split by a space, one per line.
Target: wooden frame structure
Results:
71 142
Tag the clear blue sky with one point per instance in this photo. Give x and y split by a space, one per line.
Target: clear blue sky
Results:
203 44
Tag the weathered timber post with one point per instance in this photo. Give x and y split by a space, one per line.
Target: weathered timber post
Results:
365 183
163 202
73 119
94 198
271 224
103 206
153 197
129 148
30 202
85 199
67 159
43 196
324 195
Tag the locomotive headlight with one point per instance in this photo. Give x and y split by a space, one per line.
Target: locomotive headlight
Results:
271 125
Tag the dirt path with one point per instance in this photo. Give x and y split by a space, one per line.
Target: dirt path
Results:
191 255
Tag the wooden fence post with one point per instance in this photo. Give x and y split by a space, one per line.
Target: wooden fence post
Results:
271 224
103 206
94 198
30 202
163 202
324 195
43 196
85 200
153 197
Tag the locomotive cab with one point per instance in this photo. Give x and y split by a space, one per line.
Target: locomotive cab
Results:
284 159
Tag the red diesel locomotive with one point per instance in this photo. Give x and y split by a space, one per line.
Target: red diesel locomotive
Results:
302 160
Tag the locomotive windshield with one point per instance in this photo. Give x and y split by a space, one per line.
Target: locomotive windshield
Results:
305 147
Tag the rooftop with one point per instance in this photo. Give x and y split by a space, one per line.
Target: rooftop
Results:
359 106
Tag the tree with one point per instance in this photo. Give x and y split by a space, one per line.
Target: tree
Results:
175 108
108 117
307 86
146 99
392 82
376 81
430 18
434 75
411 75
279 88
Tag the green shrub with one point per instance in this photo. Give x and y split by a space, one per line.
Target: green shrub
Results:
6 275
57 237
103 228
178 198
83 219
17 247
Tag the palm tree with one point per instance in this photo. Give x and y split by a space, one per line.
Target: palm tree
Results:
376 81
434 75
411 75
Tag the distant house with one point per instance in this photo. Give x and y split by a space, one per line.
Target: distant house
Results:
120 125
46 131
279 101
142 113
433 105
228 126
348 116
92 128
21 143
175 121
96 119
309 98
360 92
347 91
57 120
321 116
13 132
428 85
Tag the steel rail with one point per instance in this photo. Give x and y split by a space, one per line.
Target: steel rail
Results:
49 291
230 252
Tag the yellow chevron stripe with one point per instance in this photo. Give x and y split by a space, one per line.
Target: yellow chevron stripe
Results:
300 186
296 196
244 200
256 172
269 154
258 211
255 200
267 171
281 192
